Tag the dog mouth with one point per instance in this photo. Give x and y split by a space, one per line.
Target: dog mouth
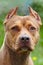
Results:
24 49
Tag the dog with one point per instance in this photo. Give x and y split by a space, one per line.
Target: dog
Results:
21 37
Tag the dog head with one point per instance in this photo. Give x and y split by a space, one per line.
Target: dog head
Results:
22 32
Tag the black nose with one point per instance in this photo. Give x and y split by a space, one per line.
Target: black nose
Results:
25 39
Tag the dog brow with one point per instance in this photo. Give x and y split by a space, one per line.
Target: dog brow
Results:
15 24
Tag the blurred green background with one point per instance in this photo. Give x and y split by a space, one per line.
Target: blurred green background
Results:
6 5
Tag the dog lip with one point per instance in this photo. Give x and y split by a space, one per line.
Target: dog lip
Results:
25 48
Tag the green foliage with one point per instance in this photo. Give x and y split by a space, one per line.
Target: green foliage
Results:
1 32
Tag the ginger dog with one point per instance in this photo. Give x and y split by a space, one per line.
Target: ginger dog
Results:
21 37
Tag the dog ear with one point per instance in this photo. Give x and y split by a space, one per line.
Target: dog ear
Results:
35 15
11 13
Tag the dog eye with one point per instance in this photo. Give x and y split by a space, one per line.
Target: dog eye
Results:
32 28
16 28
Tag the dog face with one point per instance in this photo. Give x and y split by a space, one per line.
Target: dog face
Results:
22 32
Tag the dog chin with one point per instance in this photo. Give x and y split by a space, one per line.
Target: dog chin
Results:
24 50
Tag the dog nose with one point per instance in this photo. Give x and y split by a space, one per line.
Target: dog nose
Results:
24 39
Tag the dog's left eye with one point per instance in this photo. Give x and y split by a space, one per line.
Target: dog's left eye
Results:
16 28
32 28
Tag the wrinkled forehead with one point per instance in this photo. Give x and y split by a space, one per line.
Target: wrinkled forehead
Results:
22 20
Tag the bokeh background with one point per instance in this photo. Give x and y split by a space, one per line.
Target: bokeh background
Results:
6 5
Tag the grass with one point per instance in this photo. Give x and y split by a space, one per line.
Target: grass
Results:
37 54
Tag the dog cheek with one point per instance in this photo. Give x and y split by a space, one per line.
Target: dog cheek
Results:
9 39
34 40
15 44
33 45
37 37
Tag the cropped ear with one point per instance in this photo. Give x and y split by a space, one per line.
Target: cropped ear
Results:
35 15
11 13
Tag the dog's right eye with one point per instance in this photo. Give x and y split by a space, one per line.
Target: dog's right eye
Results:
16 28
